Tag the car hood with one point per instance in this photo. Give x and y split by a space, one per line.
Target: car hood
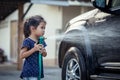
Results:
84 16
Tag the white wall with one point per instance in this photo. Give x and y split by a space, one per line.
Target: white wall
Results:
5 33
5 38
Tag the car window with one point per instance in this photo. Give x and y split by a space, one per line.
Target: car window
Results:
100 3
116 3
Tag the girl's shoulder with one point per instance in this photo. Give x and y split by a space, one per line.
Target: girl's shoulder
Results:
26 43
28 40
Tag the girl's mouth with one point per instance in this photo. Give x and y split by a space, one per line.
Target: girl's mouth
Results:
43 33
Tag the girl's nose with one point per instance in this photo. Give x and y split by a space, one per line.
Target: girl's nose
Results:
44 30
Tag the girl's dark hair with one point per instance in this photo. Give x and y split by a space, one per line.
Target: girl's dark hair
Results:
33 21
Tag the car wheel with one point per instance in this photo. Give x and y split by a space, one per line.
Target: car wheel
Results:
73 68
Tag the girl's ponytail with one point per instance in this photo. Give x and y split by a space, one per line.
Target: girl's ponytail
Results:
26 29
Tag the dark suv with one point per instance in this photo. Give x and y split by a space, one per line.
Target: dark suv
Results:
90 48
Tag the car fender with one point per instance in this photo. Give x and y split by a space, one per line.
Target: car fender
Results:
87 46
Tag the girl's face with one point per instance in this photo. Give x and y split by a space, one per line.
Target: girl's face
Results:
40 30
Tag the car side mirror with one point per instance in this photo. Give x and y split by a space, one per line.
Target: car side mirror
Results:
101 4
109 6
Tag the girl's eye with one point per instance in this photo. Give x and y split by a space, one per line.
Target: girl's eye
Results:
42 27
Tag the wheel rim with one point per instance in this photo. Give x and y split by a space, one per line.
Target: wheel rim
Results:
73 70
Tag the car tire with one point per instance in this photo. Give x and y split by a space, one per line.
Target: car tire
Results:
73 66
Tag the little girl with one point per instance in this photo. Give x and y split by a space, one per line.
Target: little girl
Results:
34 27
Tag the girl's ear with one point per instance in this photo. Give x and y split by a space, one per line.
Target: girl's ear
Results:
32 28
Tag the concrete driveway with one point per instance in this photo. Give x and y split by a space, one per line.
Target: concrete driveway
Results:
9 72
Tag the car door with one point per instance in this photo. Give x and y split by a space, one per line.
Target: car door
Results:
104 36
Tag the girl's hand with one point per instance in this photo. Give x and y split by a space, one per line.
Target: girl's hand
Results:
43 51
37 47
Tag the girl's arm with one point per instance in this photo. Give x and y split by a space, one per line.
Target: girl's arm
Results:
24 53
